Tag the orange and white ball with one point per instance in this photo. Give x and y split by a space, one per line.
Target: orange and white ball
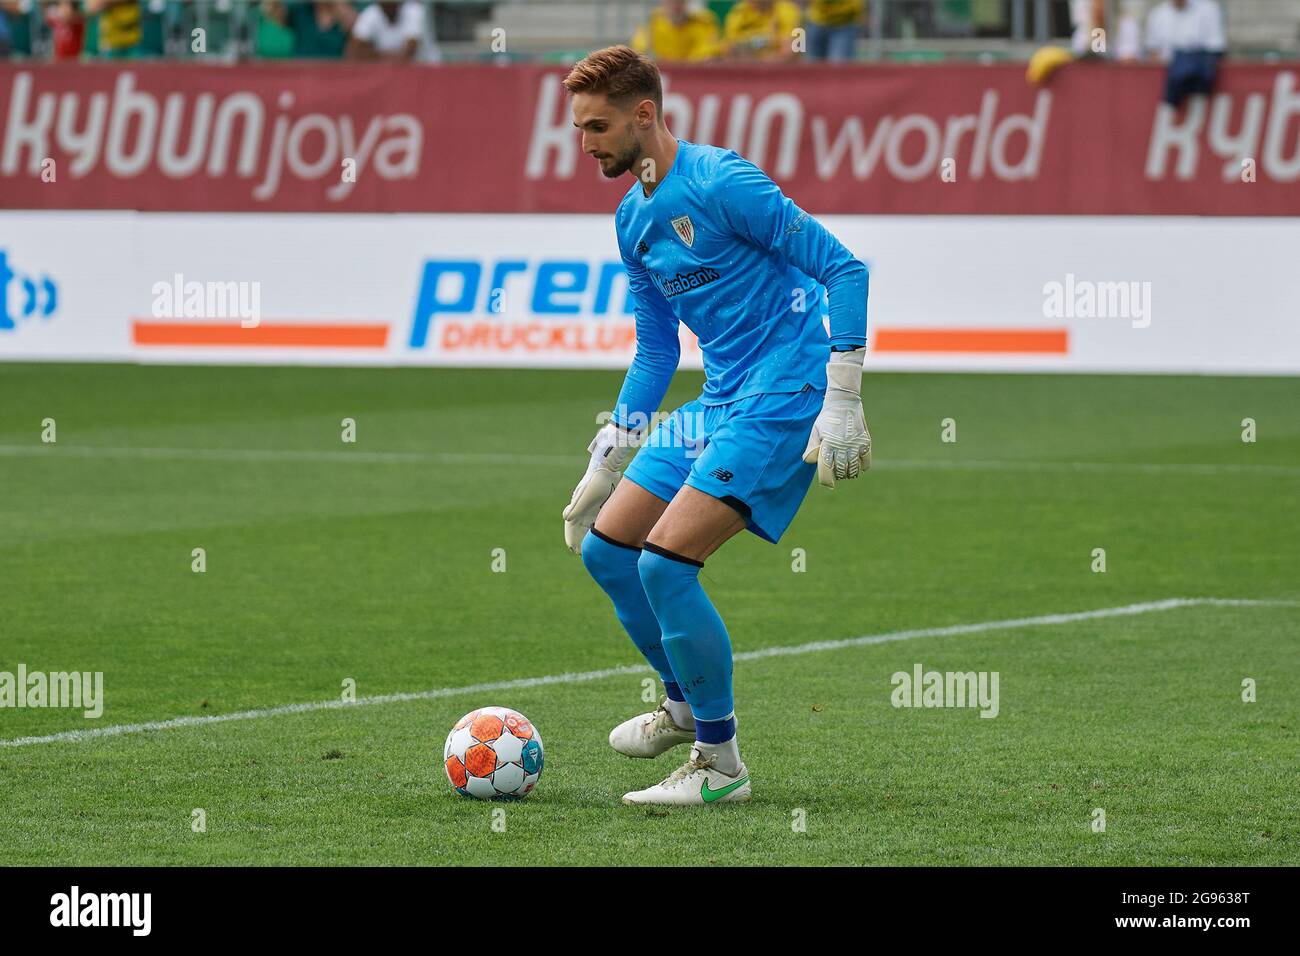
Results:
493 753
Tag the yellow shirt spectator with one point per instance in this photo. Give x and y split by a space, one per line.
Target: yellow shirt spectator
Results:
692 39
762 29
119 25
835 13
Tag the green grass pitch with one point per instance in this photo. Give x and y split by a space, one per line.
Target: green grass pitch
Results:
374 561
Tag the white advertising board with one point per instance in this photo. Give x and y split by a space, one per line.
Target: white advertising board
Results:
1077 294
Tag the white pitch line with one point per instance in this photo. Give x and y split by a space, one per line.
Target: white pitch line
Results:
76 736
175 722
357 456
1069 618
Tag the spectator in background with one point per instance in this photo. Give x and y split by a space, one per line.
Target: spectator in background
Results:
16 28
321 29
273 37
1185 25
1128 39
6 36
679 33
120 29
67 29
388 30
1121 40
833 29
1085 17
762 30
1188 35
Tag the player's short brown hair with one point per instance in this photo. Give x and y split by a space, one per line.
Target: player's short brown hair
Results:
621 74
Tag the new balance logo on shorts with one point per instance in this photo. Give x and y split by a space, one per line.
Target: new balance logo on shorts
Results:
721 474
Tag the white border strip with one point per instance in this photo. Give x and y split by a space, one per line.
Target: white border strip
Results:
76 736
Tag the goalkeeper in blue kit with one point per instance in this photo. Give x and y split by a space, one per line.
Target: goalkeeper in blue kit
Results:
708 240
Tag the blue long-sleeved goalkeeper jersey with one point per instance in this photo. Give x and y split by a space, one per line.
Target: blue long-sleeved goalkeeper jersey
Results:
718 247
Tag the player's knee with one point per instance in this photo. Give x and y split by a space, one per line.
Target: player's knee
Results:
594 558
664 575
651 573
606 562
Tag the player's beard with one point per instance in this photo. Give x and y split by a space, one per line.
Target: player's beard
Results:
625 159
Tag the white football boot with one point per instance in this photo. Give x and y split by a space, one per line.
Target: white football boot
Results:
695 783
649 735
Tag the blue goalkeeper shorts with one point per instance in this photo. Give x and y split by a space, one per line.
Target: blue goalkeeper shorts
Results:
747 453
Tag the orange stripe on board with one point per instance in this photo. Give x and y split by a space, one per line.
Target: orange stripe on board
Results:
265 335
1035 341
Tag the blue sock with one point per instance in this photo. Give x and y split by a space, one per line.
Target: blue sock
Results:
715 731
614 566
693 634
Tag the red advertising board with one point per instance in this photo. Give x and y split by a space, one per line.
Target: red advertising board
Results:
961 139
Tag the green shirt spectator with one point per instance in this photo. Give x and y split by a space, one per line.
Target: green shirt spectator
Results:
274 38
321 29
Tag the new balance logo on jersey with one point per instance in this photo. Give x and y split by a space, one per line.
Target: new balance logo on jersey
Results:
721 474
642 248
686 281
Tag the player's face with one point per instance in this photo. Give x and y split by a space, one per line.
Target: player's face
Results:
608 133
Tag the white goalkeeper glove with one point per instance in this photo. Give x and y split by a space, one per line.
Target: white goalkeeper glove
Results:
611 450
840 442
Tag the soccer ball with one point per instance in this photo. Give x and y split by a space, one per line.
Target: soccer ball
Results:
493 753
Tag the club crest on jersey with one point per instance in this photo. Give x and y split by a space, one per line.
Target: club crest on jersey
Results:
685 229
